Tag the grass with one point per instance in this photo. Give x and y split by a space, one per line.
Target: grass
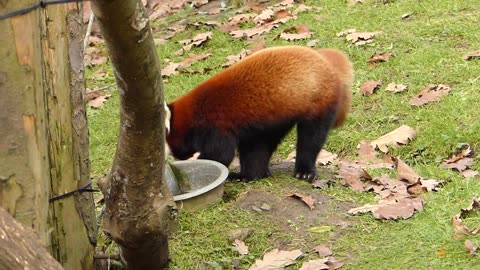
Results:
428 48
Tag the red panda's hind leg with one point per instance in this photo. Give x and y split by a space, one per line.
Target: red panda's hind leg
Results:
311 136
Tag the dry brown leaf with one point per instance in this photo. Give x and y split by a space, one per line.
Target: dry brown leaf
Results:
431 93
362 38
312 43
366 153
459 165
430 184
469 173
193 58
324 157
276 259
241 247
160 8
406 173
396 88
379 57
232 59
259 45
196 41
307 199
323 250
264 17
346 32
319 264
98 101
301 8
472 55
285 4
353 175
470 247
297 32
391 208
94 57
241 18
460 228
397 137
170 69
251 32
254 6
370 87
333 263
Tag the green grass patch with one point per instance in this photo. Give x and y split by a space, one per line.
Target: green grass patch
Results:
428 48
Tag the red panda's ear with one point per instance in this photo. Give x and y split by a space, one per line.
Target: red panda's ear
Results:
168 115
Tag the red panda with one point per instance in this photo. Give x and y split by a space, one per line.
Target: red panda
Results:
252 105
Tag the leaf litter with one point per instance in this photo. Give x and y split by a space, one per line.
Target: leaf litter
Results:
431 93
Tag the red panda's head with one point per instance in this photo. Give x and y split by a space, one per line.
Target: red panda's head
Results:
178 143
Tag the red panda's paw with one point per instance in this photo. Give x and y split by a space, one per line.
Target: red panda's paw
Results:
309 176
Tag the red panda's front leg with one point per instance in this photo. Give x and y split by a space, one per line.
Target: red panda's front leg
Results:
218 148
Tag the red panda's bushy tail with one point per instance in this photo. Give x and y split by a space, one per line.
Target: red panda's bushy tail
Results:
344 69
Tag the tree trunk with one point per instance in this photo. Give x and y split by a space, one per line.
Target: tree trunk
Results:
44 143
20 247
140 211
24 166
73 218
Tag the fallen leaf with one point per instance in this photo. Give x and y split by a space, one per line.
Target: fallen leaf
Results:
296 33
301 8
397 137
380 57
240 18
94 57
392 208
430 184
170 69
265 16
323 250
251 32
196 41
441 251
333 263
320 229
370 87
469 173
361 38
192 58
406 15
276 259
396 88
232 59
346 32
312 43
324 157
241 247
98 101
259 45
319 264
458 225
406 173
320 184
353 175
471 55
430 93
459 165
307 199
366 152
470 247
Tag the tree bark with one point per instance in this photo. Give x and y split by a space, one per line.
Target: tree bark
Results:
44 143
24 170
20 248
73 218
140 212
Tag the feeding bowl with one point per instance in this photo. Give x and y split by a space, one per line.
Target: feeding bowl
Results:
196 184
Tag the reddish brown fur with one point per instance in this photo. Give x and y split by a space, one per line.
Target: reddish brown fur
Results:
268 87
